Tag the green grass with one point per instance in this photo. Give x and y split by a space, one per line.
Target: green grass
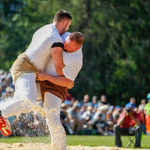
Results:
77 140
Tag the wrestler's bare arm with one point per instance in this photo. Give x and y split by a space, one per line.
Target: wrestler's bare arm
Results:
57 57
61 80
58 80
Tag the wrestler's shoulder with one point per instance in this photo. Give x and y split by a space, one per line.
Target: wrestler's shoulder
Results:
49 31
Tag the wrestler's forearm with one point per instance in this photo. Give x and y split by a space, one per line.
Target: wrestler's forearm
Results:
59 80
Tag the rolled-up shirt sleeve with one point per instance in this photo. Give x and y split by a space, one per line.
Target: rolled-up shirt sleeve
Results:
56 41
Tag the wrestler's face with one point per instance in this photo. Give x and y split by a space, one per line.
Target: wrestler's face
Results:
71 46
65 25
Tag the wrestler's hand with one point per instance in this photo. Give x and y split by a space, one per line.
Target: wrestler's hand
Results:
71 86
41 76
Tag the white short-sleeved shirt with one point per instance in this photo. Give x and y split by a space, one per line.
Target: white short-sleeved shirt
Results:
39 49
73 62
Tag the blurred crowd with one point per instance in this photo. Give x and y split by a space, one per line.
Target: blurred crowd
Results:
6 85
95 116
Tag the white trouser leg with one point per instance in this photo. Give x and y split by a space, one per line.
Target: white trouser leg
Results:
25 93
57 132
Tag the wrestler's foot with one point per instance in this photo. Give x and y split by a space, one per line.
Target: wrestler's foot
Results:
5 127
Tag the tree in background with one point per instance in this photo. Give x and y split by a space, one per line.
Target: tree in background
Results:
116 49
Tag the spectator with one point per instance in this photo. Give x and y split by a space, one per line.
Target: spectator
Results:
73 115
88 114
100 126
147 106
69 96
109 120
64 118
6 85
100 111
116 113
103 101
147 113
94 102
86 118
142 113
86 100
127 120
69 99
131 101
142 105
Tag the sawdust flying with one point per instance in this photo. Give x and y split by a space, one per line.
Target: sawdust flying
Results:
40 146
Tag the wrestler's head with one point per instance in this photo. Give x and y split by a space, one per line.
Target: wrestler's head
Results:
62 21
74 42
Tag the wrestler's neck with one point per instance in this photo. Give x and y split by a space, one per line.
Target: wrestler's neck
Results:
58 26
70 51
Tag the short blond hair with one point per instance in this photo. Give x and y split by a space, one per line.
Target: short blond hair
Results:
62 14
77 37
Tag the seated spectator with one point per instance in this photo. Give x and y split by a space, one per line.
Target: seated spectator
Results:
69 96
109 120
103 101
147 114
141 111
127 120
100 111
86 118
131 101
94 102
8 92
147 108
142 105
100 126
86 101
64 118
73 115
69 99
88 114
82 110
6 85
116 113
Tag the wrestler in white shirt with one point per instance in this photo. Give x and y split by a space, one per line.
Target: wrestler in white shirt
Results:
45 41
73 62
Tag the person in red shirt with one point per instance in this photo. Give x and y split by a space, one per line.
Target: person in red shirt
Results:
129 123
